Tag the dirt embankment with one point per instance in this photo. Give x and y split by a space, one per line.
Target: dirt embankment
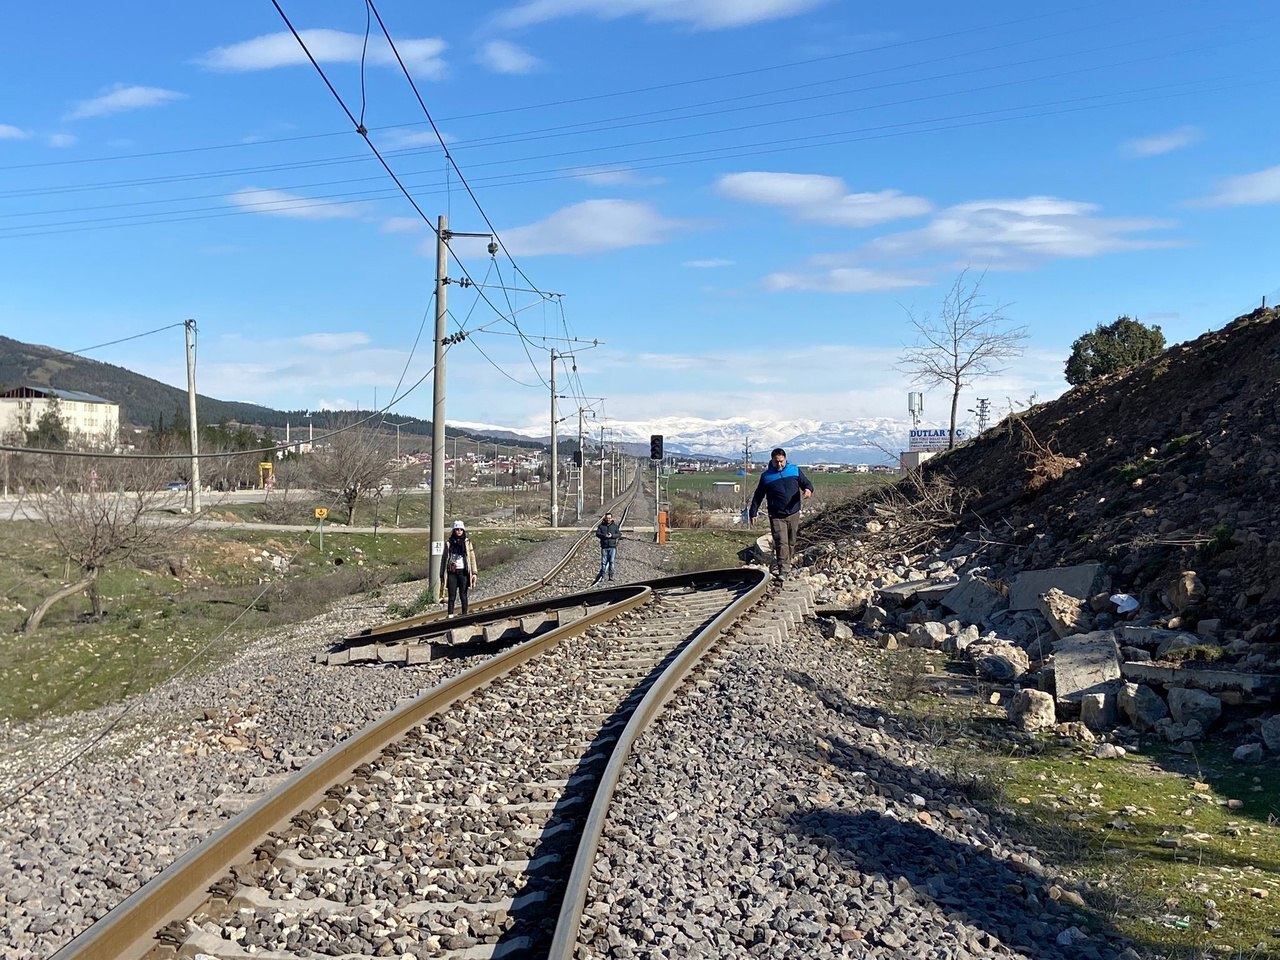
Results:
1169 467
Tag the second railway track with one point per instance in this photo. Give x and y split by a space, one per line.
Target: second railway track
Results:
464 829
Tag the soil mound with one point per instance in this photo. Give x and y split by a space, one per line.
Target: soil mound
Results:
1170 467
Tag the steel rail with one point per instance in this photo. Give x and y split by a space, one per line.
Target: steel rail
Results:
564 941
128 930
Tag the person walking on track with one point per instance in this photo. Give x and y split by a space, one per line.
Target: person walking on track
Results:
783 487
609 533
458 566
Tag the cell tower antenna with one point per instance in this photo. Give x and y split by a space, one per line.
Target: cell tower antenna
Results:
915 406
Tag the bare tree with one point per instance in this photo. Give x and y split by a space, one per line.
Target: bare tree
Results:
965 341
100 511
352 464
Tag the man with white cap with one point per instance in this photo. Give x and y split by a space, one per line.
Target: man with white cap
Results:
458 566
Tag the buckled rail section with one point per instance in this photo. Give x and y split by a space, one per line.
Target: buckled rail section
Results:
522 752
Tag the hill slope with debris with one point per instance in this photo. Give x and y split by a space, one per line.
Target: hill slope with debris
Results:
1170 467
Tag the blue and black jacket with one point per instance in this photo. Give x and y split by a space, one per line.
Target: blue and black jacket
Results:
781 490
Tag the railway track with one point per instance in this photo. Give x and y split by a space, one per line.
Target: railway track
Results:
626 506
464 823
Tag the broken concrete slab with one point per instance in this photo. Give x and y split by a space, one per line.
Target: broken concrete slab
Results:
1081 580
1252 687
973 600
907 592
1085 663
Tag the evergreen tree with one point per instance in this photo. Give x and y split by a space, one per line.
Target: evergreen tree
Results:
1112 347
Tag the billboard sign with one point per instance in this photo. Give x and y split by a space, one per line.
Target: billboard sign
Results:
921 439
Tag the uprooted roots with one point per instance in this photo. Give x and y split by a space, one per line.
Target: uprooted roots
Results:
1045 465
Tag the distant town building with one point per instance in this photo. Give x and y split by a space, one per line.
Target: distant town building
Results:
90 420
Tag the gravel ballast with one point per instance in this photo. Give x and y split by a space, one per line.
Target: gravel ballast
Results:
775 810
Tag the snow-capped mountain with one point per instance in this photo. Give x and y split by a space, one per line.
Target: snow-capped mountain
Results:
877 440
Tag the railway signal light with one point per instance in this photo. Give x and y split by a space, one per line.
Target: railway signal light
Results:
655 447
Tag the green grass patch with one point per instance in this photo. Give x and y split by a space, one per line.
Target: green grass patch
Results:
708 549
159 617
1152 838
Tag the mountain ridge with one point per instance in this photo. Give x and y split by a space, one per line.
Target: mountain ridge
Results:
145 402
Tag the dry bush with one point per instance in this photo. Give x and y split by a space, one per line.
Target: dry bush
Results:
915 514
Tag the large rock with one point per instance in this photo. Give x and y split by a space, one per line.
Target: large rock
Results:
1066 614
1032 710
1141 706
928 636
1270 730
1085 663
1082 580
999 661
1185 591
1187 703
1098 711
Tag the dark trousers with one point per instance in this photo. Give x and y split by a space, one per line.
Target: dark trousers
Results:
458 582
784 530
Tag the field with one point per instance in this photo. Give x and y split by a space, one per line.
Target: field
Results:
1179 852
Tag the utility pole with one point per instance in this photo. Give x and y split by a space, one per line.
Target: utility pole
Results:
443 236
582 464
602 466
555 465
437 412
746 470
190 327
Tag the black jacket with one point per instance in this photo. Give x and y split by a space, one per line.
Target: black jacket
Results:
609 534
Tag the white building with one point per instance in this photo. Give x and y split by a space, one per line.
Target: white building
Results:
90 420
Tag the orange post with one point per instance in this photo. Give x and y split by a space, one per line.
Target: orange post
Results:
662 526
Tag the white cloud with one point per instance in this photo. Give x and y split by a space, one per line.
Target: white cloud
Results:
8 132
1247 189
411 139
708 264
329 342
272 50
704 14
616 177
61 140
820 199
503 56
402 225
593 226
843 280
1157 144
120 99
1016 233
280 204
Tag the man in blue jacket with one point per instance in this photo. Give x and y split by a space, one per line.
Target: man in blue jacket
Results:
783 487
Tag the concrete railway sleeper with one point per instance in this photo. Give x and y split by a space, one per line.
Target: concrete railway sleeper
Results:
462 825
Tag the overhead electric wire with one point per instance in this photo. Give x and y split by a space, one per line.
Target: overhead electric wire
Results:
365 134
346 199
767 147
572 101
444 145
613 123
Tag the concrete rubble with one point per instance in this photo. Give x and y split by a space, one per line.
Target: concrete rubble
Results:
1053 637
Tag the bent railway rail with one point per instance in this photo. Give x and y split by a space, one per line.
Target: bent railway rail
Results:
466 821
622 505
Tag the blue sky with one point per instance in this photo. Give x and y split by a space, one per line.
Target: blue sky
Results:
740 201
